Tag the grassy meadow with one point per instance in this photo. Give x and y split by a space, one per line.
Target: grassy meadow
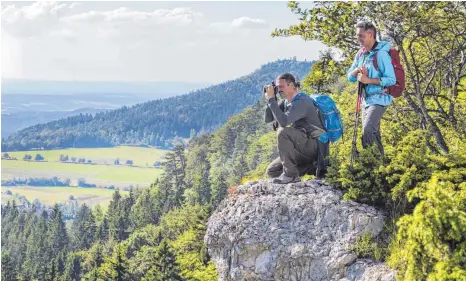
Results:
102 172
118 174
141 156
52 195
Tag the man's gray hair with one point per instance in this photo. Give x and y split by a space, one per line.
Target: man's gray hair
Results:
367 25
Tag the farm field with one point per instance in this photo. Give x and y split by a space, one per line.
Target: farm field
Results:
139 155
102 172
101 175
117 173
53 194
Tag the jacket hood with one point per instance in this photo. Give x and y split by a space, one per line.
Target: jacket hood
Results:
382 45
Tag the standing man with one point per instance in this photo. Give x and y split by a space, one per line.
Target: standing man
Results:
299 126
376 99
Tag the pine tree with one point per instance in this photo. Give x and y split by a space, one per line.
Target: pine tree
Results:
98 214
197 170
57 237
128 205
38 251
57 267
93 261
116 217
120 267
83 229
72 268
8 267
143 212
101 233
115 267
165 267
174 176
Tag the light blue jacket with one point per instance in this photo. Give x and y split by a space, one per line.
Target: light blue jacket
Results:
386 74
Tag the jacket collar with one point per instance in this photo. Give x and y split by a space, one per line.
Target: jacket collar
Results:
373 47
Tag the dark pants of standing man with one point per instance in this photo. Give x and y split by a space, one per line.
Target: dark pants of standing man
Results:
298 154
372 115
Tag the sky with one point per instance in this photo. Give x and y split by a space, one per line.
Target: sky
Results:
208 42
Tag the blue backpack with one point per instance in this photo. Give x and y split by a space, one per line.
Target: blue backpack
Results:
331 118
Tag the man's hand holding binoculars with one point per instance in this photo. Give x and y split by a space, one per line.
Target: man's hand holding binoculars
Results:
269 91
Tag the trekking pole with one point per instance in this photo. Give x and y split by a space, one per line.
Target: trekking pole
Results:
356 121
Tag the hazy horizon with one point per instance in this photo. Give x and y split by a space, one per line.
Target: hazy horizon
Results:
37 87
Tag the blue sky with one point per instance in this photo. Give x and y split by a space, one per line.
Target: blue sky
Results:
145 41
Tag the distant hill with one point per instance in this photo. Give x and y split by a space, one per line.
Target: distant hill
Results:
26 102
13 122
156 122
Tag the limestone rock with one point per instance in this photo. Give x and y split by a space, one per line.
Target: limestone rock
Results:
302 231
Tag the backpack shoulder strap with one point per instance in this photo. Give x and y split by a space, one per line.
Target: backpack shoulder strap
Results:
374 60
360 52
390 53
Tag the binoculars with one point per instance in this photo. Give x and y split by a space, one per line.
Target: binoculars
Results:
275 88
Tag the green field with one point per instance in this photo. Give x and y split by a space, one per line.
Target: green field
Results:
104 175
140 155
102 172
52 195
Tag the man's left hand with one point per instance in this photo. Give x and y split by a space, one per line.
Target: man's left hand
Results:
363 78
269 93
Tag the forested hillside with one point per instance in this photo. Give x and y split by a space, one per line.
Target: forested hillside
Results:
156 122
151 234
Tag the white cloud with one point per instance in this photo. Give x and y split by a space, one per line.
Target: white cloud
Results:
242 23
88 17
53 18
95 41
124 25
246 22
32 20
124 15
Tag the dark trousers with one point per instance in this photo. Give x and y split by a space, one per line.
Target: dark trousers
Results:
371 126
298 154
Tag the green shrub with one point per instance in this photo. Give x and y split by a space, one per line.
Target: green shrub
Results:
367 247
431 242
384 182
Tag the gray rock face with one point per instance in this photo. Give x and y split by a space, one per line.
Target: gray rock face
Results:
302 231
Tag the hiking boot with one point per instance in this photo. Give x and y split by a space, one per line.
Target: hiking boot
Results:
284 179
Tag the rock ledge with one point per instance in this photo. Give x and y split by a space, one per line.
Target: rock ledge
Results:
302 231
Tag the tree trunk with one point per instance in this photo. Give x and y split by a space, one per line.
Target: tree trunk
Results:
421 109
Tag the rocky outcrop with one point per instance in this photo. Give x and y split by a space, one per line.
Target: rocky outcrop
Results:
302 231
